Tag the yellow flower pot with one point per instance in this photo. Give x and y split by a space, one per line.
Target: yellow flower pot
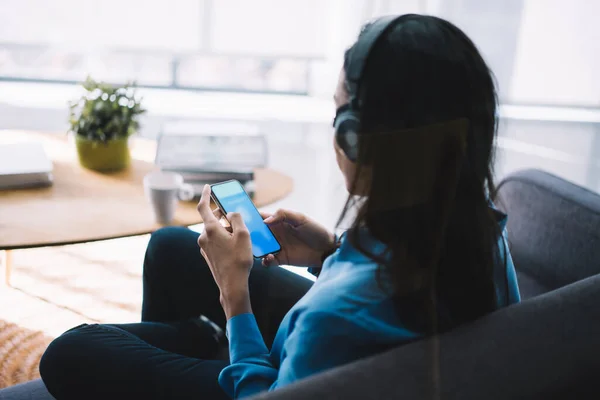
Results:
112 155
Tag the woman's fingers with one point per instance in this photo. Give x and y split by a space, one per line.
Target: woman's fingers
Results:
218 213
237 222
265 215
204 206
270 261
279 216
221 217
290 217
211 223
203 254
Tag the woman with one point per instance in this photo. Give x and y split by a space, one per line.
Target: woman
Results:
415 132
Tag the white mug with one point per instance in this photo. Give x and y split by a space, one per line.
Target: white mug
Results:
163 190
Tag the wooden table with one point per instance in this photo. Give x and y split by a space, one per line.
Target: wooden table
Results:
84 206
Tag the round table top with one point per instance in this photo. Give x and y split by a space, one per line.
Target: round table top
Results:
83 205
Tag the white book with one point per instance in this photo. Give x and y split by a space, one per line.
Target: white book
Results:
24 165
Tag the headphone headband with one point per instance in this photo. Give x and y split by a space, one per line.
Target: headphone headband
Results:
358 54
347 119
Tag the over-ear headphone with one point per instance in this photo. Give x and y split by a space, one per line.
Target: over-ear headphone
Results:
347 117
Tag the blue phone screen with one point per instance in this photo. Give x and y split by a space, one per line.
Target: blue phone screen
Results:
233 198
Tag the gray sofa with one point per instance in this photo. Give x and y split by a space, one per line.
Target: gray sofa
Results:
546 347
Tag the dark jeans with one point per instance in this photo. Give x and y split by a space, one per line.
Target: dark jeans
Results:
171 354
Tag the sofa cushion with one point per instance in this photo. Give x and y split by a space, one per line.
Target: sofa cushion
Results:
530 286
547 347
34 390
553 229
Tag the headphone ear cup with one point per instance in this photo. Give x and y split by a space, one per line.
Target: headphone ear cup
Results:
346 126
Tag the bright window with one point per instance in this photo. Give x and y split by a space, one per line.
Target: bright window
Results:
542 51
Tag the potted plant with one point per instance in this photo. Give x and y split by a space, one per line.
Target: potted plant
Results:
102 121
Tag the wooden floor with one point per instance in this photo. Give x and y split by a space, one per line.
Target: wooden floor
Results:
55 288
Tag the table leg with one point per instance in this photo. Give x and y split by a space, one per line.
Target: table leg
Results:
8 261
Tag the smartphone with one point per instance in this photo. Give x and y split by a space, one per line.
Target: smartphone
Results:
230 196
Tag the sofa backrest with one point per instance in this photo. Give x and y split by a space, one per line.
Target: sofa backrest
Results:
553 230
544 348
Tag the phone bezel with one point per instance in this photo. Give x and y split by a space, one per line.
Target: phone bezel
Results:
218 203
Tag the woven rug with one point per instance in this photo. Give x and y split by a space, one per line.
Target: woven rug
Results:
20 353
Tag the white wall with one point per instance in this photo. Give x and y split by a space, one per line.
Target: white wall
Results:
343 22
271 27
558 54
89 24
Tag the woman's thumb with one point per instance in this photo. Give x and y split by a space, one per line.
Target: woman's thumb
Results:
289 217
278 216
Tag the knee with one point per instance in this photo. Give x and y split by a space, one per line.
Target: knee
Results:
63 358
169 239
167 244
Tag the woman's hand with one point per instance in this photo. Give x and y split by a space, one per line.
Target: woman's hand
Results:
303 241
229 256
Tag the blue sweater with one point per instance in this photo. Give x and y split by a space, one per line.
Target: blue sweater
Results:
343 317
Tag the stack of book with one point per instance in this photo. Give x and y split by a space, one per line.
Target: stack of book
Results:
212 156
24 165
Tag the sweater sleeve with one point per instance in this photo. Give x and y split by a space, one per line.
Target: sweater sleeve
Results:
318 341
250 370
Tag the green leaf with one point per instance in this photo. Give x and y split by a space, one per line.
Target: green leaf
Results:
101 120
